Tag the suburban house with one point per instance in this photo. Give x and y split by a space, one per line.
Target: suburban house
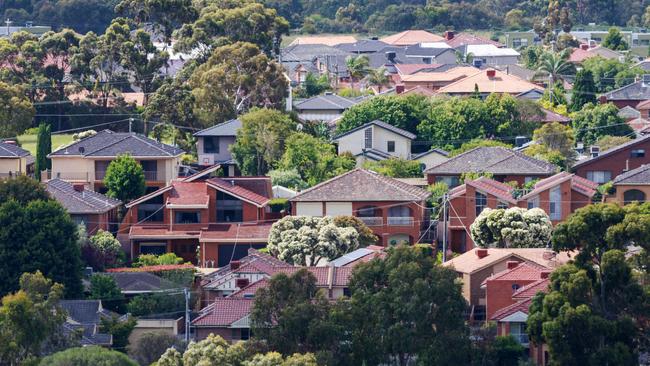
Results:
85 161
375 141
629 113
632 186
457 40
327 107
490 81
642 109
434 79
138 283
584 52
215 220
432 53
14 160
431 158
84 319
476 266
411 37
503 164
363 46
213 145
301 59
489 54
393 210
629 95
323 40
95 210
603 166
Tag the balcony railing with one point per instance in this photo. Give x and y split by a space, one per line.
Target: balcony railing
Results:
400 221
148 175
75 176
372 221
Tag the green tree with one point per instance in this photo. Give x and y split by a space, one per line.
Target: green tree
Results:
396 168
584 90
594 121
313 85
555 66
614 40
404 112
391 317
124 178
31 320
234 79
611 73
16 111
366 236
513 227
260 141
506 351
120 329
474 143
173 103
377 77
357 67
149 346
166 16
102 251
87 356
288 178
38 235
554 142
103 287
22 189
142 60
608 142
43 148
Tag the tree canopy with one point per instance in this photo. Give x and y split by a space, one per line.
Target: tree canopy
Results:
125 178
512 228
596 120
88 356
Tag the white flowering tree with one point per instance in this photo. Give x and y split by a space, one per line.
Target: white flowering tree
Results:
306 240
512 228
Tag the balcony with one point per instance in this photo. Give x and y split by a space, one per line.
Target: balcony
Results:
148 175
71 176
372 221
400 221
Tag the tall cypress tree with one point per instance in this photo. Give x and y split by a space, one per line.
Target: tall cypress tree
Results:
584 90
43 148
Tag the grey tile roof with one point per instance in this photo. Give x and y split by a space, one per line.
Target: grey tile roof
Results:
374 154
434 150
228 128
362 185
640 175
324 102
628 112
635 91
75 202
139 281
107 143
12 151
381 124
308 52
645 64
417 50
495 160
606 153
363 46
83 311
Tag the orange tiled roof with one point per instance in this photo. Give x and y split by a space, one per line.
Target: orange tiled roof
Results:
238 191
531 289
258 232
185 193
411 37
500 83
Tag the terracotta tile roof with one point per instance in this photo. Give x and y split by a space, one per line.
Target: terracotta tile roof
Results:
253 256
251 289
495 160
457 73
224 311
512 309
643 105
411 37
640 175
324 40
525 271
606 153
257 232
188 194
340 275
497 189
578 55
500 83
531 289
639 124
408 69
469 262
238 191
463 39
550 116
161 232
362 185
580 184
420 90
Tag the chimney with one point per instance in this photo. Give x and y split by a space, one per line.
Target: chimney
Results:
481 253
234 265
627 165
584 46
602 99
594 151
399 88
512 264
544 274
374 38
78 187
390 56
491 73
449 35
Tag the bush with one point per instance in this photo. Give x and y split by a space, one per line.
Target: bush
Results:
287 178
103 287
87 356
148 348
279 204
157 260
101 250
157 303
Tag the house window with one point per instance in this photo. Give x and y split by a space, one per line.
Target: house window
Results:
451 182
518 331
501 204
638 153
556 204
229 208
528 179
515 287
481 202
426 60
153 248
187 217
633 195
533 202
390 146
150 212
240 334
599 176
347 292
211 144
368 138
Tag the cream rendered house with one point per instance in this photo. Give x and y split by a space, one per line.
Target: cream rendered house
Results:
375 141
85 161
14 160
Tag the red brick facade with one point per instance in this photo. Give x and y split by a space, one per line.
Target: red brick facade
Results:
616 160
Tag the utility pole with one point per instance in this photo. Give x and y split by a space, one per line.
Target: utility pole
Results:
187 314
130 124
8 21
444 230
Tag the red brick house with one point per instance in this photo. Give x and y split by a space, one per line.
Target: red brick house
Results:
218 219
602 167
500 287
632 186
393 210
504 164
629 95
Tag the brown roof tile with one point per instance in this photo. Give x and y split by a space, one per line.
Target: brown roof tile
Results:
224 311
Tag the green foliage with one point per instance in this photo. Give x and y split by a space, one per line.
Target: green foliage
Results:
288 178
22 189
315 159
102 251
31 320
279 205
513 227
474 143
124 179
165 16
313 85
377 78
555 66
173 103
43 148
396 168
614 40
38 235
149 346
584 90
87 356
157 260
156 304
507 351
611 73
16 110
103 287
608 142
475 175
357 67
438 190
595 121
554 143
120 330
531 56
366 236
261 140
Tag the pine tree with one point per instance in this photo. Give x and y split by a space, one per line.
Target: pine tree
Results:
584 90
43 148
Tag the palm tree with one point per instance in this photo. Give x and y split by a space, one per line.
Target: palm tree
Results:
378 78
464 58
357 67
555 66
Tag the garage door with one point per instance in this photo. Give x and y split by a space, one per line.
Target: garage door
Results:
338 209
309 208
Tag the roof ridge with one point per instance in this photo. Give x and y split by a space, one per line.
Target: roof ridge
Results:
75 197
86 153
326 182
613 149
137 136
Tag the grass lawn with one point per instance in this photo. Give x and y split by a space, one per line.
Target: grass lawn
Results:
28 142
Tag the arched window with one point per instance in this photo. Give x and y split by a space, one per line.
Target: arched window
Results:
633 195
